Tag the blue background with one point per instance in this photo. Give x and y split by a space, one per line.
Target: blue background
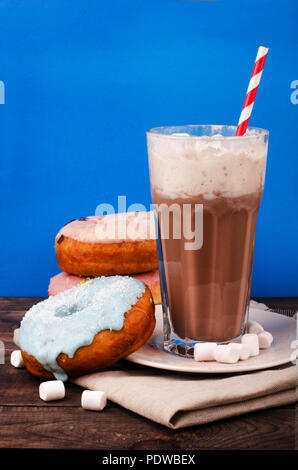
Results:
84 80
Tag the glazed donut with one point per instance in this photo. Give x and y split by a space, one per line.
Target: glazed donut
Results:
64 281
122 243
86 328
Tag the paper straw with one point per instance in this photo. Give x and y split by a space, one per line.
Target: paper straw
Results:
252 90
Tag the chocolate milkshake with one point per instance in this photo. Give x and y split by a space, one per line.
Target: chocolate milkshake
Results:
206 285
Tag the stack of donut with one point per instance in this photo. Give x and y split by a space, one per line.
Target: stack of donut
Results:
114 244
101 307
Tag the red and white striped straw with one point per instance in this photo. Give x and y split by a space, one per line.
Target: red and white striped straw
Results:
252 90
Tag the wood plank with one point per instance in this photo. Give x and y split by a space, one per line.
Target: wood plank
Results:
117 428
18 388
18 303
23 388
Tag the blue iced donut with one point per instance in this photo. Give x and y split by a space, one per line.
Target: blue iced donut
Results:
86 328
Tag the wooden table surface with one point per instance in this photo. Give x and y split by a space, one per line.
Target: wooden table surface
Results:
27 422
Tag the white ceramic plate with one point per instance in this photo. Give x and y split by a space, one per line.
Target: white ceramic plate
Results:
282 328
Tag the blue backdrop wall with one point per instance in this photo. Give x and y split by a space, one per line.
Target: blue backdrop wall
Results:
83 82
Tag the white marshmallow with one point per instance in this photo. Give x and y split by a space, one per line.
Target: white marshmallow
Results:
52 390
265 339
93 400
15 336
224 353
251 340
204 351
254 327
16 359
244 351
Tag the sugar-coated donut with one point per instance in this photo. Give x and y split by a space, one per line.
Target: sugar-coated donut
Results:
64 281
122 243
86 328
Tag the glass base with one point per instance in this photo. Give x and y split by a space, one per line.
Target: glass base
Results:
173 344
185 347
181 348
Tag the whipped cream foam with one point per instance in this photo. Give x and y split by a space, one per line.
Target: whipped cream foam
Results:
184 166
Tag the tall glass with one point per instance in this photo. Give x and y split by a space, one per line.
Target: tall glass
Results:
206 185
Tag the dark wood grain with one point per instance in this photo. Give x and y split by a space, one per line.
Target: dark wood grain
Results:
27 422
115 428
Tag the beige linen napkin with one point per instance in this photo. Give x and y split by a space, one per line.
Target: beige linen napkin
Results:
178 400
